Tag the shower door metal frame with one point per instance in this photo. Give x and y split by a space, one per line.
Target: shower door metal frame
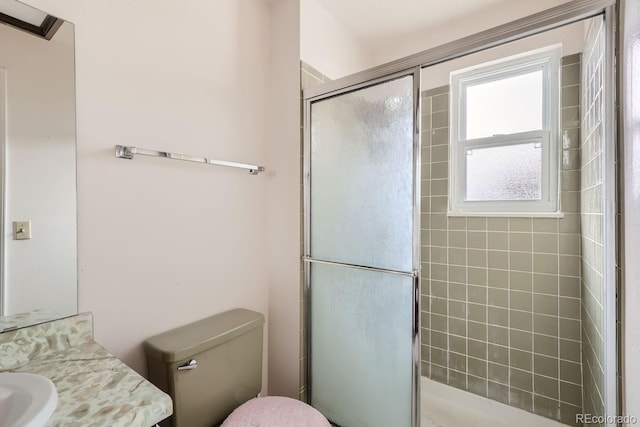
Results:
610 201
415 273
556 17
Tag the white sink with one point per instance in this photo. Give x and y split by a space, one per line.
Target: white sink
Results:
26 400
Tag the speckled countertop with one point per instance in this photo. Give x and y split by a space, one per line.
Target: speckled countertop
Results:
94 387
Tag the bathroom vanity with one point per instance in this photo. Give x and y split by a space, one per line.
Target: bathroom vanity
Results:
94 387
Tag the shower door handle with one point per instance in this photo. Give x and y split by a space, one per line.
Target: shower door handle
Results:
189 365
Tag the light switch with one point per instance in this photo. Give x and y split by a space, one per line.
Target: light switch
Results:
21 230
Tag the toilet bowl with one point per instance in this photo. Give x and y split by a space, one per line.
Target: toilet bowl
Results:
212 369
275 411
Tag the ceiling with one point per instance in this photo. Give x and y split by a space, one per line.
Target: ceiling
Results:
375 20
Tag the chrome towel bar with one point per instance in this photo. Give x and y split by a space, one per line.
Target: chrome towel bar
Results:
126 152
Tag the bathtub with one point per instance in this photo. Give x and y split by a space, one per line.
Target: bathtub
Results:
445 406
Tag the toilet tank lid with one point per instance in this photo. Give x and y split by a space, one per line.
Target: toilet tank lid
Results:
188 340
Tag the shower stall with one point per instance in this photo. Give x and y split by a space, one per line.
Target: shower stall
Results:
444 247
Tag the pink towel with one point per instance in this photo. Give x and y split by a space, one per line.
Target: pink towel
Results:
275 411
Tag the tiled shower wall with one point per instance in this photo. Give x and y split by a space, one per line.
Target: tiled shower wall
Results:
592 221
309 77
501 296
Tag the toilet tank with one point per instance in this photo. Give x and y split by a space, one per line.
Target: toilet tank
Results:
209 367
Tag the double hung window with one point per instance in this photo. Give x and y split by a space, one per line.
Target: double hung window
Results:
504 132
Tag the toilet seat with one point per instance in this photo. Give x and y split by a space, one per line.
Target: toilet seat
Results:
275 411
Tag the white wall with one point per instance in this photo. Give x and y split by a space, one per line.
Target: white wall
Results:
163 243
571 38
463 26
283 224
630 108
40 273
330 47
327 45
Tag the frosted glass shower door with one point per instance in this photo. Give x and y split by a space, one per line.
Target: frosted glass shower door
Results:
361 265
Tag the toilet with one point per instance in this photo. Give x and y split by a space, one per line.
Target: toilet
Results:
212 369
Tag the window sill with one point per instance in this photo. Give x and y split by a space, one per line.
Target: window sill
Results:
508 214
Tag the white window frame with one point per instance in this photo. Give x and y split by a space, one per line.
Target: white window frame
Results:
547 60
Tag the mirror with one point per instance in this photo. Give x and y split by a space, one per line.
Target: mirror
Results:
38 171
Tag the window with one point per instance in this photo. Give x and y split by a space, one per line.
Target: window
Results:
504 131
